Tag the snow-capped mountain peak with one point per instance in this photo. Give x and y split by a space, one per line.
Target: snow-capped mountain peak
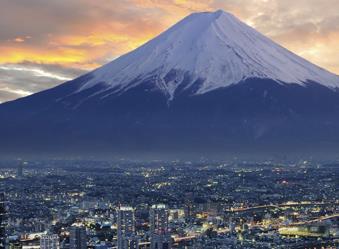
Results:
215 48
209 84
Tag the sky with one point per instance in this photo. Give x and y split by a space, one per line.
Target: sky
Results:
46 42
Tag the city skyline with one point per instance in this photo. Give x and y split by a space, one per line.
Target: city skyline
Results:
169 205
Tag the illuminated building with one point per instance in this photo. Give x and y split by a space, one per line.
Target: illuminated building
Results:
2 221
308 230
160 237
49 241
78 238
127 238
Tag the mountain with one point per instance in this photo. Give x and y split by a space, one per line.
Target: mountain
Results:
215 48
210 83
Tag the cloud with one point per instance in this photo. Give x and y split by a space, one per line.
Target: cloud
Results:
21 79
7 94
56 39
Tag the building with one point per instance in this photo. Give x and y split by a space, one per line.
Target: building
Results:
78 237
160 236
231 226
2 221
163 241
306 230
49 241
20 170
127 238
130 242
159 219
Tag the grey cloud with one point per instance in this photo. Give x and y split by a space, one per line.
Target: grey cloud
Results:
39 18
23 77
312 16
68 72
7 96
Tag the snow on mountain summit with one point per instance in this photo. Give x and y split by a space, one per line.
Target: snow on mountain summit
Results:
213 47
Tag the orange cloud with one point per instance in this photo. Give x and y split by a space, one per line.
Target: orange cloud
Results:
101 37
16 55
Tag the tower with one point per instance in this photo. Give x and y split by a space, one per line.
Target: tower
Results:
2 221
20 170
127 238
160 236
78 237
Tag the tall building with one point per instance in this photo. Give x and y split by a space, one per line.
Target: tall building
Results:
49 241
160 236
20 170
231 226
127 238
78 237
130 242
2 221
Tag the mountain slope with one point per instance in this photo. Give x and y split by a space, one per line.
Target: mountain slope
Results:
216 48
208 84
